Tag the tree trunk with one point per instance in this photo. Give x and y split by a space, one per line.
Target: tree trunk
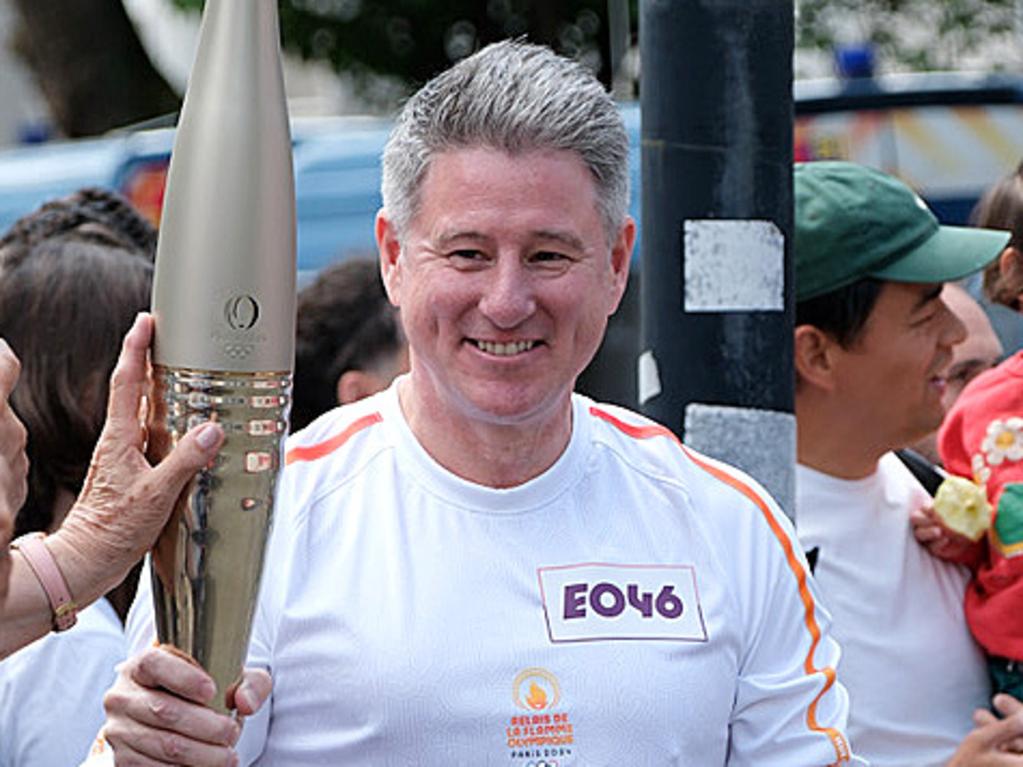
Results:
90 65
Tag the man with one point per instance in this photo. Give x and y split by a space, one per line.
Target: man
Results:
979 352
348 342
477 566
873 342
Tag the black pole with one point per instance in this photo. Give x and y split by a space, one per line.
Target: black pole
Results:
716 291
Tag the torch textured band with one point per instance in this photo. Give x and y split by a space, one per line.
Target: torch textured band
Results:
208 560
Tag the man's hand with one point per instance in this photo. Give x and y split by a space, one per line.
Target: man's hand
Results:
940 541
157 712
13 462
993 742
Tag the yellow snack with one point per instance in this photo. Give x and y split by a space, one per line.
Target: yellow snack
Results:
963 508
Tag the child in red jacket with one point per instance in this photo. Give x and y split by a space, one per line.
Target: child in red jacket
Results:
982 438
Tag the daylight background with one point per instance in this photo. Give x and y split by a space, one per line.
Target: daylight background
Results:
83 67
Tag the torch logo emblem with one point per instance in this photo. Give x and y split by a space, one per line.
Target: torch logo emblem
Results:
241 312
536 689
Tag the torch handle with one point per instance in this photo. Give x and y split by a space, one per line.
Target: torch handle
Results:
208 560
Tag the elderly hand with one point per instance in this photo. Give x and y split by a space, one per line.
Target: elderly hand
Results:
157 712
125 501
993 742
13 462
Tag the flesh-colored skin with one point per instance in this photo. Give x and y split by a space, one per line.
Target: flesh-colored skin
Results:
13 463
509 251
122 507
882 392
979 352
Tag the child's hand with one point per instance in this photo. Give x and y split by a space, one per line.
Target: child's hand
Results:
942 542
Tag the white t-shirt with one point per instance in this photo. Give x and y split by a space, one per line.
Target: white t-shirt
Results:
913 671
51 692
635 604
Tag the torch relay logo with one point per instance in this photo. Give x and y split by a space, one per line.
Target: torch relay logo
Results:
536 689
542 735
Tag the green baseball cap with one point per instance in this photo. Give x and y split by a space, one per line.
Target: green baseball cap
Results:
854 222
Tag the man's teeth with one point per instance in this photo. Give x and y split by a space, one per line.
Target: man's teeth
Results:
508 349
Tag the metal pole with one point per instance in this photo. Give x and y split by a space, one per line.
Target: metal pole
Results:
618 26
715 359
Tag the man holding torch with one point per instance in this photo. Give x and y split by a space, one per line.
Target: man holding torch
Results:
477 564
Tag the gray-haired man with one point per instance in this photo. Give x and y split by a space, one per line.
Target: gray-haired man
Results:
478 566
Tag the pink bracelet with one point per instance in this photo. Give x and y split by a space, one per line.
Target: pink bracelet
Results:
39 558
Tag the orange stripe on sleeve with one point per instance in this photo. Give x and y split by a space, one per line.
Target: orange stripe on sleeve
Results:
838 740
321 449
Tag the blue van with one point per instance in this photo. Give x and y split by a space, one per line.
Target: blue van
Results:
948 135
337 178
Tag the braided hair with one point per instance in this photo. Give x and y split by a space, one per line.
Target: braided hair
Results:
91 214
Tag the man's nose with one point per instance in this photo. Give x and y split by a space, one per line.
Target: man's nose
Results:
955 330
508 298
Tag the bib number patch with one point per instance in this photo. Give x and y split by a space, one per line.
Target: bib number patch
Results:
594 601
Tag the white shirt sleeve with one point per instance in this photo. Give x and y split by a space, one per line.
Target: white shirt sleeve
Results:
790 707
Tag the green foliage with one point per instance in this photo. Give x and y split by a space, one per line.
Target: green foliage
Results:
911 34
412 40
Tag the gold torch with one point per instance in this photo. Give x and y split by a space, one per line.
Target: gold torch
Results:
224 303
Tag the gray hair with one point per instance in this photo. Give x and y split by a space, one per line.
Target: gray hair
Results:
515 97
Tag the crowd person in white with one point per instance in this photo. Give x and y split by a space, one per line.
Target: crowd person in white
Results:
477 565
873 345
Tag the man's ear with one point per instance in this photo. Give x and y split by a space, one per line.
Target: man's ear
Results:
814 355
621 260
1010 265
353 385
389 247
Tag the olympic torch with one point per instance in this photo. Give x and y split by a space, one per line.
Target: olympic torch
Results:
224 304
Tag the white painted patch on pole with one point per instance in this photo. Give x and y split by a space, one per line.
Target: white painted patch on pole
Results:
734 266
760 442
649 378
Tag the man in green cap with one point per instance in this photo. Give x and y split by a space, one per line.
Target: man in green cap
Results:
873 343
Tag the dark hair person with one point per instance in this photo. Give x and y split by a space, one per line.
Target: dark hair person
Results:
349 342
1001 207
74 275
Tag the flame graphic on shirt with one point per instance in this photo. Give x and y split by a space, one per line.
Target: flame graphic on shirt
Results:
537 697
536 689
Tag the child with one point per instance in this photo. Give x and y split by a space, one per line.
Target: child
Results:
982 438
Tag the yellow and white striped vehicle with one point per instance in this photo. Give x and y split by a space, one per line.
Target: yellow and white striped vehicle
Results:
948 135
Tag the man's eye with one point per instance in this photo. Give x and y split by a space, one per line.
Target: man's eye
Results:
466 255
548 256
923 317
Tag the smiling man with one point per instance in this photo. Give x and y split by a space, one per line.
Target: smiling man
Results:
478 566
873 347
